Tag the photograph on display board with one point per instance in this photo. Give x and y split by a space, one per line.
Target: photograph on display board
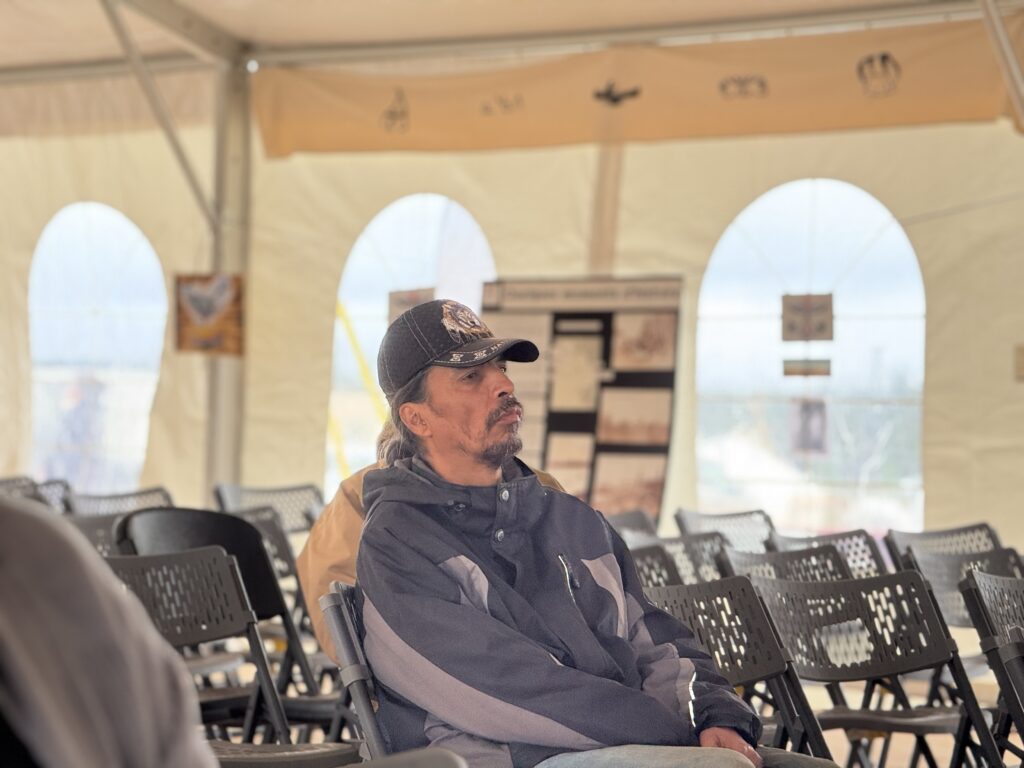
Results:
568 458
644 341
209 313
810 426
576 368
624 482
634 416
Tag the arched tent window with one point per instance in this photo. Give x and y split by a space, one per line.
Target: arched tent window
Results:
97 312
817 452
422 241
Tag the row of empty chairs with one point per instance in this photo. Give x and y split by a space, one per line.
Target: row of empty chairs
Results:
843 614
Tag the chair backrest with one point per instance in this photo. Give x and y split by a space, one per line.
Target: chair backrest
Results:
342 619
857 629
56 494
858 548
17 485
120 503
197 596
192 597
746 531
655 566
1003 600
175 529
298 505
695 555
996 607
730 622
978 537
99 530
637 521
945 572
822 563
268 522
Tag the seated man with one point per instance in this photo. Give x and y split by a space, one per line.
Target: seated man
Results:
329 553
505 620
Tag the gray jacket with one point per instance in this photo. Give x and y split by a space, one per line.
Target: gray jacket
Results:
508 624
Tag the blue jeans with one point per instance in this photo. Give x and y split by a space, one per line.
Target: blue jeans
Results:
644 756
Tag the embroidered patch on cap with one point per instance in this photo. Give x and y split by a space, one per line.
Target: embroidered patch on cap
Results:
462 323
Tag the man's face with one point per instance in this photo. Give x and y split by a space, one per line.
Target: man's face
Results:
472 411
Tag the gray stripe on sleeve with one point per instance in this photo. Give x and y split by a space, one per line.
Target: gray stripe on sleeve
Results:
401 667
606 574
471 580
667 676
479 753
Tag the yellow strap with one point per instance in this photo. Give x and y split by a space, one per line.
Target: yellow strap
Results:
334 431
364 370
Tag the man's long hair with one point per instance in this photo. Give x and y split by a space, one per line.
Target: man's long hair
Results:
396 441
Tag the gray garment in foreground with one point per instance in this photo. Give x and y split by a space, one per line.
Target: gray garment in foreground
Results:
634 755
85 678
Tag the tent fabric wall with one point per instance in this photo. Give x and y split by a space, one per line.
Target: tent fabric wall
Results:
133 171
957 191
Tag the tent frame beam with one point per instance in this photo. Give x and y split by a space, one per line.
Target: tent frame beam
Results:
160 111
205 40
1008 61
668 36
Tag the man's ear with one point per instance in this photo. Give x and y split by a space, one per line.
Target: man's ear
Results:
413 415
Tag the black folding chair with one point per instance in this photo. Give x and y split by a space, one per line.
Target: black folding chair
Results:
298 505
746 531
56 494
197 597
18 485
822 563
158 531
978 537
871 630
119 503
637 522
858 548
655 566
99 530
996 608
695 555
731 624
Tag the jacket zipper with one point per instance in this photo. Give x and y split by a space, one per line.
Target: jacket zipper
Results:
571 581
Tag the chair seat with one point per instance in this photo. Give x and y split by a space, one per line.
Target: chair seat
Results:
919 722
229 753
217 704
975 665
215 663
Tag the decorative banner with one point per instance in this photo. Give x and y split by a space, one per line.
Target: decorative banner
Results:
807 317
209 313
806 367
934 73
598 404
810 427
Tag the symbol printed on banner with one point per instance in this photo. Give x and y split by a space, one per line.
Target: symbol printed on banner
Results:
743 87
395 117
502 104
879 73
613 97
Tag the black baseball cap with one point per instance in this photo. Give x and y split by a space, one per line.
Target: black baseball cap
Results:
441 332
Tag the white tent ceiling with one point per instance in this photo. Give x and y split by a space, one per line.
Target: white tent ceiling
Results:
45 33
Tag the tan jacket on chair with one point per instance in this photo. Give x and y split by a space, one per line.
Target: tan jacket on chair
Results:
330 551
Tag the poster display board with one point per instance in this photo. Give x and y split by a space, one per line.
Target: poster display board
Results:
598 404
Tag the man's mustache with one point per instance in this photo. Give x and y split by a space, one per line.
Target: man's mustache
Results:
510 402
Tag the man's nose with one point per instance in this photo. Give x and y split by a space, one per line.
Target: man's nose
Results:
503 385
